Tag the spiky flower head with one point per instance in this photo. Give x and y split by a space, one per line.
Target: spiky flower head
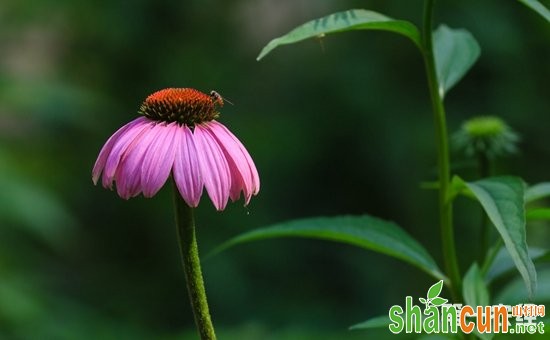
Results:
183 105
488 135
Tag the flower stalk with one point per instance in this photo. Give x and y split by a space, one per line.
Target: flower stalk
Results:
185 223
443 162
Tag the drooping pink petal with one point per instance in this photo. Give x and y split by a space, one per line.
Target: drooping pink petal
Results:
120 147
128 173
108 147
240 172
243 169
214 167
159 158
186 170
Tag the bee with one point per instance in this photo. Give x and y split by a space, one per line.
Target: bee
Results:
218 99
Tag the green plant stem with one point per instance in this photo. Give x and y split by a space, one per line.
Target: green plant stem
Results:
483 164
185 223
484 168
445 204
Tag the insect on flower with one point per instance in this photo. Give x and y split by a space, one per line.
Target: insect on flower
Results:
218 99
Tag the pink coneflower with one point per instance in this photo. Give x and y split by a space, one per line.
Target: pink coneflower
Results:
178 135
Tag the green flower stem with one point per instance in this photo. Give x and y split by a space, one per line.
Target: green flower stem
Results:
185 223
445 204
483 164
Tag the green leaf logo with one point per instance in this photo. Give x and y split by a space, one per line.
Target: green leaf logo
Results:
438 301
434 290
433 299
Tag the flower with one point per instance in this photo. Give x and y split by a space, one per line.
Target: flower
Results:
178 134
488 135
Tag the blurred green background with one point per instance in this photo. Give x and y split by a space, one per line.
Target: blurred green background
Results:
337 126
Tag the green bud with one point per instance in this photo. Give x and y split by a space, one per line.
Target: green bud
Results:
487 135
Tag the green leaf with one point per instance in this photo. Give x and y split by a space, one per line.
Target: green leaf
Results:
435 290
513 293
537 191
422 300
475 293
363 231
503 263
537 7
538 214
455 51
376 322
474 288
502 198
353 19
458 187
438 301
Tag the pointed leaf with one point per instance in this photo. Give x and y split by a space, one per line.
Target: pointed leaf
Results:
353 19
502 198
381 321
422 300
475 293
435 290
363 231
438 301
513 293
455 51
537 7
474 288
503 264
537 191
